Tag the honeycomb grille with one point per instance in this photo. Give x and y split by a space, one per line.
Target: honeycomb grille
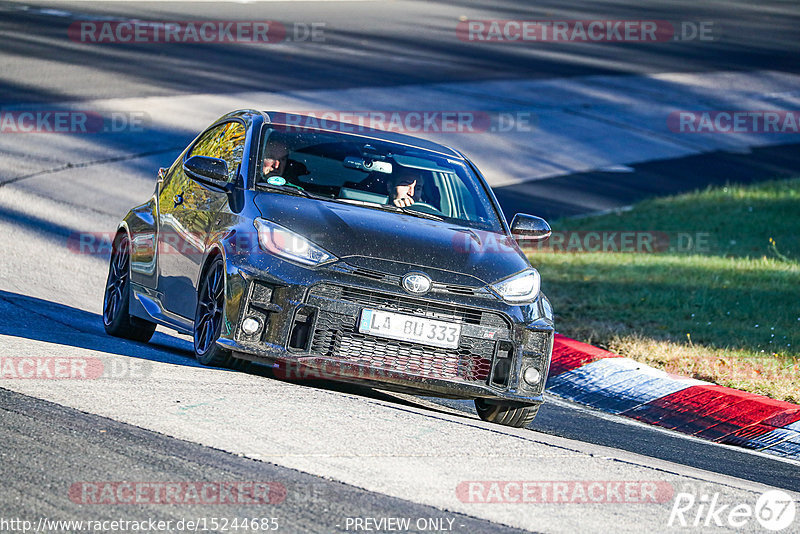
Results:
336 336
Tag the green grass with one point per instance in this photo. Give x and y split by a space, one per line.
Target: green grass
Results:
727 310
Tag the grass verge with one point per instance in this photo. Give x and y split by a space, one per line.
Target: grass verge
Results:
705 284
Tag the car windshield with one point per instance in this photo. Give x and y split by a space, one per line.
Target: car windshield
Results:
375 174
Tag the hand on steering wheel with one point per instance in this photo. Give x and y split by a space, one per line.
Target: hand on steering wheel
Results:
404 195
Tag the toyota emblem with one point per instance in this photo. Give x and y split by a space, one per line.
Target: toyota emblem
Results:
416 283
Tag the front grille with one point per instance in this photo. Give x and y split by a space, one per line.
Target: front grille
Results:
457 290
336 336
436 287
413 306
375 275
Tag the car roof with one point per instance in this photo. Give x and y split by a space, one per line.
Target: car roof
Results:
309 123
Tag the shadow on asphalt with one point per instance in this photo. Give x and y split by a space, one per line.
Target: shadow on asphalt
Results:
567 420
51 322
564 420
379 32
587 192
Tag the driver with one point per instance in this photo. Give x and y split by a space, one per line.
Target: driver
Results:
276 162
275 158
405 187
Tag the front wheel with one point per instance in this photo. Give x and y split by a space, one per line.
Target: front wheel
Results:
116 318
209 318
508 414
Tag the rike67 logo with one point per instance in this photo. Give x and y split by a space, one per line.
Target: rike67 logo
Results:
775 510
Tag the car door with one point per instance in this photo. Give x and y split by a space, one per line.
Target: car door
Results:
187 212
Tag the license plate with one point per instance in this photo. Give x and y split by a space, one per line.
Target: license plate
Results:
409 328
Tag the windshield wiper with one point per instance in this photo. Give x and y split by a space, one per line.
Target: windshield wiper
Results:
414 213
389 207
290 190
422 214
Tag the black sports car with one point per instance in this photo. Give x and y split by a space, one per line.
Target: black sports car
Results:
338 252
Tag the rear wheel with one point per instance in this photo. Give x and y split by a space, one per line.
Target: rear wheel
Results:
508 414
116 318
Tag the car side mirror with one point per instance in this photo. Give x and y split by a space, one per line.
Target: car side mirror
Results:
529 226
211 172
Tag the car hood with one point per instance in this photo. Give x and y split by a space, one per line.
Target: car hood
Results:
395 242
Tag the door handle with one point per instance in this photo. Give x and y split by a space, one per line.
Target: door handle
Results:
177 199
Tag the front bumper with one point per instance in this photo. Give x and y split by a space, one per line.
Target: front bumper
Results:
309 330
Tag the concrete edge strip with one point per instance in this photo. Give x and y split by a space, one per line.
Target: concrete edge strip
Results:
611 383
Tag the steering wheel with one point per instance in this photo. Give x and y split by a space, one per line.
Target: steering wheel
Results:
426 208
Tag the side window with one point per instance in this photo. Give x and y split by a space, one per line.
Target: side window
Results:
226 141
175 168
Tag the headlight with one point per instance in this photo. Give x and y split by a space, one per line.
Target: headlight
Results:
277 240
522 287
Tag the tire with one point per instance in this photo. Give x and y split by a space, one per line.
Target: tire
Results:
208 320
209 315
516 415
116 299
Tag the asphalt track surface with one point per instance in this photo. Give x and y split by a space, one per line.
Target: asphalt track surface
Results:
46 430
371 44
340 451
